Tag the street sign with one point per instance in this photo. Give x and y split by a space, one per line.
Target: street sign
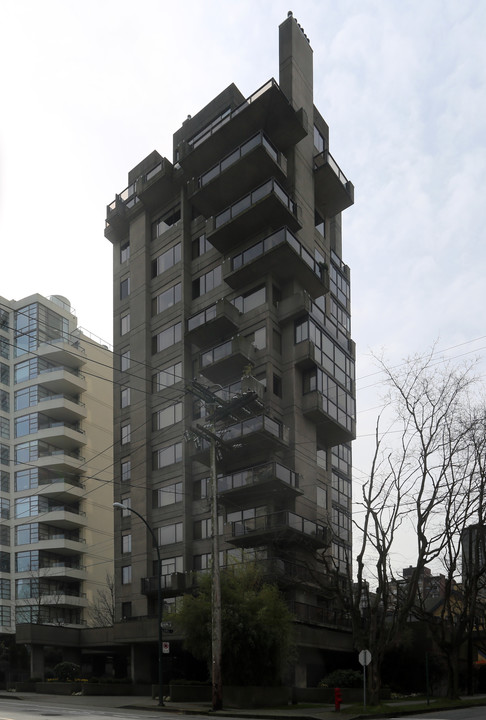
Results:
364 658
166 648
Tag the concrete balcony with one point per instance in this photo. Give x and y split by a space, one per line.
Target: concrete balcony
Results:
154 184
306 355
63 489
333 191
61 462
334 426
64 518
244 168
172 584
255 484
314 615
282 255
63 435
267 206
254 437
119 213
213 323
227 361
267 109
62 407
285 526
63 352
62 380
59 544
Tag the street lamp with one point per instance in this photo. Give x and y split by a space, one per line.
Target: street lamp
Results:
121 506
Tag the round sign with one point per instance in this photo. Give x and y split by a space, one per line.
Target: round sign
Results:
364 657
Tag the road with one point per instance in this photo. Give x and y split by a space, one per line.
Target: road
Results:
476 713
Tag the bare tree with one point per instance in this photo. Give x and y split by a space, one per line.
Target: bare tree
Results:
102 612
416 484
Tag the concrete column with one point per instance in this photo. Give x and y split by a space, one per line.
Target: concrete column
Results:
140 667
37 661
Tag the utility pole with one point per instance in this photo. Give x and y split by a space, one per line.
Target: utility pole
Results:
221 410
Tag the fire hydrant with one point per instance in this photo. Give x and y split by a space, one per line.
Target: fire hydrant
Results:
338 698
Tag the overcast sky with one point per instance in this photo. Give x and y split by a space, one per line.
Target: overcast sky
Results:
89 89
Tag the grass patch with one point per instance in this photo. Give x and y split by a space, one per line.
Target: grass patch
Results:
414 706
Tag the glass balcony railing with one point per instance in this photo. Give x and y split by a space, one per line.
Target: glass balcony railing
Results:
268 188
260 474
255 141
276 522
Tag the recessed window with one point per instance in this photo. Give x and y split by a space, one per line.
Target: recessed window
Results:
125 470
166 338
126 575
207 282
169 494
170 534
167 416
200 246
125 360
127 502
124 252
125 324
125 433
166 260
127 543
124 288
166 299
125 397
167 456
160 226
277 385
167 377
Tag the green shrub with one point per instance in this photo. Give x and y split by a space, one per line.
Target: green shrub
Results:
343 679
66 671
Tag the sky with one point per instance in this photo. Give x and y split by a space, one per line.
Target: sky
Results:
90 89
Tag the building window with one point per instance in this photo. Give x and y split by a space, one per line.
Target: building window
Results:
127 543
250 300
166 260
160 226
202 528
4 347
4 320
277 385
200 246
207 282
125 397
125 434
5 508
124 288
126 574
167 377
124 252
167 456
169 494
166 299
126 609
166 338
320 224
126 470
26 479
4 427
127 502
4 535
125 360
4 401
167 416
201 489
5 589
5 615
4 481
319 140
169 534
258 338
125 324
4 454
4 374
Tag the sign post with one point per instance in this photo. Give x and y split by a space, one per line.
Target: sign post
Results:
364 660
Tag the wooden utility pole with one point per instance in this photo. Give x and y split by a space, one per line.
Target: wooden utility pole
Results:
221 410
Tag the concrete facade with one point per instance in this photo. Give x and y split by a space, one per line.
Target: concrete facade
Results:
56 469
228 268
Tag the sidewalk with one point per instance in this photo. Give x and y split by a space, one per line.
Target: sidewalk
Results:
295 712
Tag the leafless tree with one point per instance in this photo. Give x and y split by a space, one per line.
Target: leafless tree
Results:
418 488
102 612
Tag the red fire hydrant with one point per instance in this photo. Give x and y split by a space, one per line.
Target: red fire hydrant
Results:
338 698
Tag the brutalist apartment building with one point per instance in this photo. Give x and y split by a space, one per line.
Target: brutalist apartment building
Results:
228 270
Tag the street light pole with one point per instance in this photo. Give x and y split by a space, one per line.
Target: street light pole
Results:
159 595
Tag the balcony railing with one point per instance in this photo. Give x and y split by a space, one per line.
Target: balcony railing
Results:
315 615
284 523
252 198
257 475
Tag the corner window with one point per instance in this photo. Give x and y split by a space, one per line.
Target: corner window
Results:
126 575
124 288
125 360
125 324
125 434
125 397
124 252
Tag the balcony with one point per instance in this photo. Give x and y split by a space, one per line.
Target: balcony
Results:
172 584
268 109
334 425
61 544
314 615
306 355
62 380
244 168
227 361
282 255
63 353
267 206
63 489
119 213
284 527
154 184
61 461
64 435
62 407
255 484
333 191
64 517
213 323
255 437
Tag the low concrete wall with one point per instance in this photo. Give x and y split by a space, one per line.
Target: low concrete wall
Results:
233 696
87 688
189 693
